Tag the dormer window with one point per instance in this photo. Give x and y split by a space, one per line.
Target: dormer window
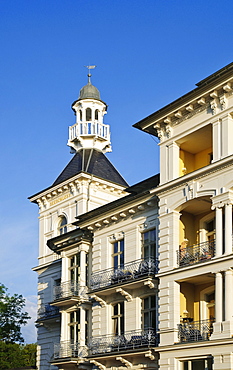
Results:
62 229
88 114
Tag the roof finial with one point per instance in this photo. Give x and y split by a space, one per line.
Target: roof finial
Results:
89 74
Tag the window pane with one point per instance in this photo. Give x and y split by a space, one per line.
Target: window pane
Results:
115 247
122 245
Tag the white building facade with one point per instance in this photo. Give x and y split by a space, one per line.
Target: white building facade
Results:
141 276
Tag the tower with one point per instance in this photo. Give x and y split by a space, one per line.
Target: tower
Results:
87 182
89 131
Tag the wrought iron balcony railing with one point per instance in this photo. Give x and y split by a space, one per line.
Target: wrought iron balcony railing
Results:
133 270
68 349
70 289
195 331
47 312
196 253
128 341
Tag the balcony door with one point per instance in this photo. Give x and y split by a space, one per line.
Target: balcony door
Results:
118 319
118 254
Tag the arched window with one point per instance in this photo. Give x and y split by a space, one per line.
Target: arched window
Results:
62 229
80 115
96 114
88 114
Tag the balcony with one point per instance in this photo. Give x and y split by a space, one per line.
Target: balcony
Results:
68 349
130 340
48 312
195 331
196 253
131 271
68 293
89 128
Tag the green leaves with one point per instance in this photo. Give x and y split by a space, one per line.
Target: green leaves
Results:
14 355
11 316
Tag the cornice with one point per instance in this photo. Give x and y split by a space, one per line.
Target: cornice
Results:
117 214
71 187
203 97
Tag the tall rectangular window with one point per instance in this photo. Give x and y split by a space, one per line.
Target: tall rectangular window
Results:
75 267
149 244
149 312
118 318
74 326
118 254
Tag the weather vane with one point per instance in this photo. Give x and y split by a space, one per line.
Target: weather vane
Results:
89 74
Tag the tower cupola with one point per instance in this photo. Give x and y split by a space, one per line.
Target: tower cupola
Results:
89 131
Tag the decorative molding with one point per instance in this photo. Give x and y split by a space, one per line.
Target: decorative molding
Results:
149 283
99 300
124 361
98 364
125 294
149 354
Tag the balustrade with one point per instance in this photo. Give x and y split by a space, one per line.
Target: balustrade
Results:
195 331
133 270
47 312
129 340
70 289
196 253
89 128
68 349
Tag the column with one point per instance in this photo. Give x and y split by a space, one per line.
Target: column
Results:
227 133
218 236
218 297
82 326
173 155
228 295
228 228
216 141
82 268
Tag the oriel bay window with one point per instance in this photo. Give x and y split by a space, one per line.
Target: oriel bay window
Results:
149 312
118 254
118 319
75 267
75 326
78 326
149 244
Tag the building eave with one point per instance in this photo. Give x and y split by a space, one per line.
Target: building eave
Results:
205 87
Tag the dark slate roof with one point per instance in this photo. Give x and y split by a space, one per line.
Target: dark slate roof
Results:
93 162
147 184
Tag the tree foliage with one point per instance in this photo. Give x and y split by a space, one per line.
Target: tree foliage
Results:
14 355
11 316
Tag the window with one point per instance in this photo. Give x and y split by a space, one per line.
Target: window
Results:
75 267
148 312
199 364
88 114
74 326
149 244
62 225
96 114
118 254
118 319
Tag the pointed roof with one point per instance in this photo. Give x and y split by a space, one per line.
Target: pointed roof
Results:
93 162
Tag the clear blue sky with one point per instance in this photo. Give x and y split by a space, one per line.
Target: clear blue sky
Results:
147 52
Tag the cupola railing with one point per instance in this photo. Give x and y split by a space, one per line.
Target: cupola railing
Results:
89 128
